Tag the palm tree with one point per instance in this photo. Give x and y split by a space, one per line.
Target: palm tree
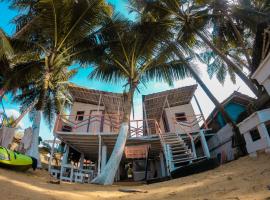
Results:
185 55
234 34
134 53
251 13
57 33
191 21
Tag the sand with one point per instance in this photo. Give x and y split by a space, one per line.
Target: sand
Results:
243 179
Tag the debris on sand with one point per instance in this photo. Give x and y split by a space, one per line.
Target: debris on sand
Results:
131 190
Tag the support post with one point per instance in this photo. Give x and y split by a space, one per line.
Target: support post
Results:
99 140
146 120
103 157
99 153
204 144
99 101
52 153
169 160
200 109
64 160
162 166
82 161
146 164
193 147
65 156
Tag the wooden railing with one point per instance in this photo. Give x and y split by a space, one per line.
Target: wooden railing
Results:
188 124
104 123
93 124
139 128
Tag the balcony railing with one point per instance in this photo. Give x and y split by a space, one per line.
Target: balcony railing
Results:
103 123
189 124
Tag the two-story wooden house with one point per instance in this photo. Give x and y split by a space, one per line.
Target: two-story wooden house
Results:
157 144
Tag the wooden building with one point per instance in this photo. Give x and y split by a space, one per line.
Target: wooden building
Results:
157 144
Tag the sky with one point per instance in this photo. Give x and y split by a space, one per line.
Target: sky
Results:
221 92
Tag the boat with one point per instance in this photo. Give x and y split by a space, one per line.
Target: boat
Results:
15 160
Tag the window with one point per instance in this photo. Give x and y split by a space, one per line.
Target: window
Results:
255 135
79 116
180 117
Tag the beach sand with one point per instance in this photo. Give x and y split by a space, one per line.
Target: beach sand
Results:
244 179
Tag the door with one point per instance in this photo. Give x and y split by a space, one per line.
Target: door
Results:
95 122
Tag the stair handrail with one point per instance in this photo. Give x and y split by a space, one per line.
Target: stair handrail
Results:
164 146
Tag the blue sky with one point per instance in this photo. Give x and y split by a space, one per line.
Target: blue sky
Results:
221 92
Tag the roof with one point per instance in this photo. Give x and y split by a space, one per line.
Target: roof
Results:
155 103
236 97
111 101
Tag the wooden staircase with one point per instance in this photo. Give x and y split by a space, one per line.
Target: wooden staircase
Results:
177 151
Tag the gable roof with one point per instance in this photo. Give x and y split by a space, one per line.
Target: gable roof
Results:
155 103
111 101
236 97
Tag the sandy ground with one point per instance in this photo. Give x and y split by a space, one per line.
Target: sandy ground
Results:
244 179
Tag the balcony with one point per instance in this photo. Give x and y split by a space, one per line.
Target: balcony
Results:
105 124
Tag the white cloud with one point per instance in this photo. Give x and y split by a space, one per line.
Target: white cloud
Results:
14 113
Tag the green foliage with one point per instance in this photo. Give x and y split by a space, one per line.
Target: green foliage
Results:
137 53
219 25
57 34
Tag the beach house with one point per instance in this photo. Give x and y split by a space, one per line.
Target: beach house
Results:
163 141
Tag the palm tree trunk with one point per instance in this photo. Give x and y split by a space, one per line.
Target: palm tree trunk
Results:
239 140
17 121
211 96
237 70
33 150
106 177
240 41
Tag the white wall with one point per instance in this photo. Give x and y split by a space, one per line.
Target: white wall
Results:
253 146
221 143
94 126
262 74
170 113
256 120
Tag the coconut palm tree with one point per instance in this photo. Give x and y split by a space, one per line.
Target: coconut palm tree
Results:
251 13
233 34
191 22
134 53
57 34
185 56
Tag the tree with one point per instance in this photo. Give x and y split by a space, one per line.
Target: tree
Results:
57 34
134 52
185 56
191 22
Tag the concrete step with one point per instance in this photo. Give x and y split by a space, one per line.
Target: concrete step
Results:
172 138
178 145
179 156
179 151
175 143
182 160
178 148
